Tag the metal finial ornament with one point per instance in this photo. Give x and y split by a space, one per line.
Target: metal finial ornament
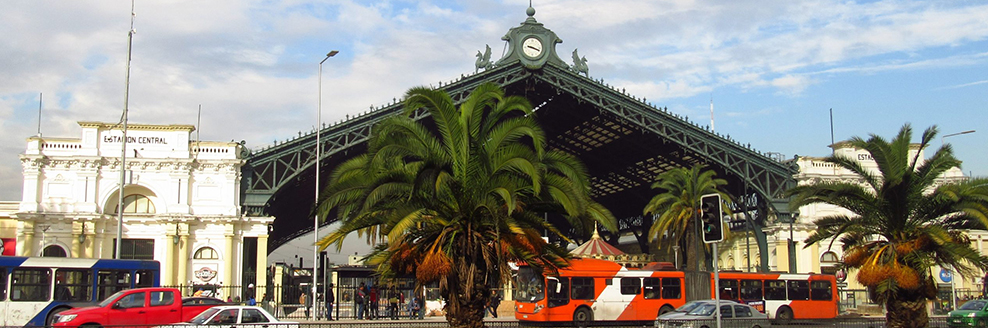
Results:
531 10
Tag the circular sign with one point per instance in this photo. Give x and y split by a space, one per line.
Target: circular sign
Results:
945 275
205 274
841 275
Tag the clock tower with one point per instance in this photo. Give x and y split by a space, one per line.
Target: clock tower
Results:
531 44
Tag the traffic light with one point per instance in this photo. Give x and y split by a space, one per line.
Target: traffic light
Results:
711 223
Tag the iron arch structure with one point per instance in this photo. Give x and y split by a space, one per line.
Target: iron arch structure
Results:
624 141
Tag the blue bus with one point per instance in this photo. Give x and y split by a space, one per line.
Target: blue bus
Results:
34 289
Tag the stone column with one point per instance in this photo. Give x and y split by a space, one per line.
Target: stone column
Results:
231 260
782 254
25 240
77 246
168 272
183 254
261 278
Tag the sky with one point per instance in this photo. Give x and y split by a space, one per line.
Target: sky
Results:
774 70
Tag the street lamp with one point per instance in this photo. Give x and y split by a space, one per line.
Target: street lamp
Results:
315 219
954 134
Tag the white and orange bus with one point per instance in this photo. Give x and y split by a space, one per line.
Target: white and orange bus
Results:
598 290
783 296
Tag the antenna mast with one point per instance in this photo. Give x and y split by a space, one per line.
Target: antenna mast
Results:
123 143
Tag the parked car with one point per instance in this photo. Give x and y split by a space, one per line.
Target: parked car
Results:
689 306
733 315
133 307
233 316
974 313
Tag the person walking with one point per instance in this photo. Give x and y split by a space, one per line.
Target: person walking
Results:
393 304
494 302
361 301
303 300
330 298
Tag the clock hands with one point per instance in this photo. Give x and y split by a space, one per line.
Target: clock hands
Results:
533 48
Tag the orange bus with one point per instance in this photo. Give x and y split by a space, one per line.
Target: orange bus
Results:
598 290
783 296
595 290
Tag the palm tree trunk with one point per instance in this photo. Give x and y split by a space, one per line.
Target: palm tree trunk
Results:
692 260
907 313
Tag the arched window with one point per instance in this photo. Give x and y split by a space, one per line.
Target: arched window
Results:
137 203
54 251
206 253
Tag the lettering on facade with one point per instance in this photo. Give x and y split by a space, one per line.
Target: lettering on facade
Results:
865 157
205 274
137 140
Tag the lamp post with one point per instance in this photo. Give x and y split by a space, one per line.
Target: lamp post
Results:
315 219
954 134
675 248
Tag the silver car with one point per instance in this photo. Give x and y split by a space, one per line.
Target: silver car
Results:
234 316
701 315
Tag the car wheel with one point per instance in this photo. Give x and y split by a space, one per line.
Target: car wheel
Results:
784 315
665 309
582 317
756 326
90 326
51 315
981 323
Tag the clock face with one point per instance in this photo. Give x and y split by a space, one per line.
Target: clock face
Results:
532 47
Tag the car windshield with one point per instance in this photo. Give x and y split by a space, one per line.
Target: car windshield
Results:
688 306
973 305
704 309
531 285
204 316
109 300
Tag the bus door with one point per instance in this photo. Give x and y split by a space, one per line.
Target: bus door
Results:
3 297
617 298
29 294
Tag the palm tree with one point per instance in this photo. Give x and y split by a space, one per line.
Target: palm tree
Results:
902 221
677 208
453 205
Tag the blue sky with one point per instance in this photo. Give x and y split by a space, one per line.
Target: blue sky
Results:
773 68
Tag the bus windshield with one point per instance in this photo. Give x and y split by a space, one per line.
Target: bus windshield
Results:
531 285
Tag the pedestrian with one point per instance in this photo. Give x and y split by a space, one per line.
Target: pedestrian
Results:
303 300
414 307
360 300
422 308
330 298
373 303
493 303
393 304
251 301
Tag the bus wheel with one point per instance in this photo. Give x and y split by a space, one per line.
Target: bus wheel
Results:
665 309
582 317
784 315
51 315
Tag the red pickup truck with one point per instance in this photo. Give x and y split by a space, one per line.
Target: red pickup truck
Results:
135 307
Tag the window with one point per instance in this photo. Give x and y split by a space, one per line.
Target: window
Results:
775 290
672 288
820 290
30 284
53 251
144 278
162 298
206 253
252 316
134 300
799 290
751 289
631 286
728 289
228 316
741 311
562 285
111 281
582 288
73 285
725 311
3 284
138 204
653 288
135 249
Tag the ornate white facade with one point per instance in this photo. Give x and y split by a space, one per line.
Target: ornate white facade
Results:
182 202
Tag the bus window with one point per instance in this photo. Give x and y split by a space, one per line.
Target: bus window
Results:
562 296
820 290
631 286
751 290
143 278
112 281
728 289
775 290
672 288
653 288
582 288
799 290
73 285
3 284
30 284
530 285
